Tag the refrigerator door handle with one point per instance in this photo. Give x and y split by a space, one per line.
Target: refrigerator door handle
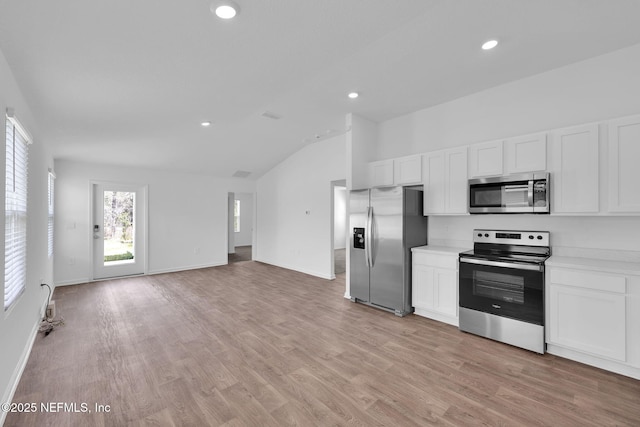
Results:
368 246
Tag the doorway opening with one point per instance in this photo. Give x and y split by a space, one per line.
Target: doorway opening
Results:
119 216
241 218
339 238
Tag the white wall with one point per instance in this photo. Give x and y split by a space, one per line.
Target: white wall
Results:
362 140
596 89
18 326
187 218
294 215
245 235
589 91
339 217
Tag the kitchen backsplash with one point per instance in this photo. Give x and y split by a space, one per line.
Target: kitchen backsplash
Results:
613 238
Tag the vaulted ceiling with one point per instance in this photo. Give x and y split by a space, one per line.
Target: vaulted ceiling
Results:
128 82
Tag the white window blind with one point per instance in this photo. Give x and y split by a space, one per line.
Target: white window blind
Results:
15 238
50 204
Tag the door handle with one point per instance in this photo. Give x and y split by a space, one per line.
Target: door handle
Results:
369 246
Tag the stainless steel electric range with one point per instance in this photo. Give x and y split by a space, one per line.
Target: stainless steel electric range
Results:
501 287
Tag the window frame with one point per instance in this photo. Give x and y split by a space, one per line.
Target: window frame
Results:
236 216
51 182
17 141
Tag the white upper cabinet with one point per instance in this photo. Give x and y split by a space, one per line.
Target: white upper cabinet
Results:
445 181
574 165
624 165
526 153
434 184
485 159
381 173
457 201
408 170
400 171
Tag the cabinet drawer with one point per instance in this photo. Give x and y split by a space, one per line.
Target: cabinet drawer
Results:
436 260
589 280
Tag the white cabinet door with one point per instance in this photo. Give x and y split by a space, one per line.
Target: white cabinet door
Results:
445 297
381 173
457 188
526 153
624 165
407 170
422 286
485 159
445 182
574 181
588 320
435 286
434 184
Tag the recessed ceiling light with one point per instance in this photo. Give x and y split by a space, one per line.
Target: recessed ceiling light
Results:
205 124
353 95
225 9
490 44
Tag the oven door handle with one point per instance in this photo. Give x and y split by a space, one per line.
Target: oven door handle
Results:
515 265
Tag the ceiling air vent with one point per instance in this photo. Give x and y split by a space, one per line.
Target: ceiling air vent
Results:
271 115
241 174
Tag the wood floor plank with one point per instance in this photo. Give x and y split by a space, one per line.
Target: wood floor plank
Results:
251 344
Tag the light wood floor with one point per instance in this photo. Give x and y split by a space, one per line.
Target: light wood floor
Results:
254 345
242 253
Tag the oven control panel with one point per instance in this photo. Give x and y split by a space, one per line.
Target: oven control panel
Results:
511 237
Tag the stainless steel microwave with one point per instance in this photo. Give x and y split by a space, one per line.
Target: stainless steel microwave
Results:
521 193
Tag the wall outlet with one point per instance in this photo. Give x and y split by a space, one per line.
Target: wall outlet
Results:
51 310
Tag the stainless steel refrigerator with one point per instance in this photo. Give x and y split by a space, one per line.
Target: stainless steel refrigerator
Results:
385 224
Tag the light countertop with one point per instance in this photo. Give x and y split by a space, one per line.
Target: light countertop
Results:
445 250
594 264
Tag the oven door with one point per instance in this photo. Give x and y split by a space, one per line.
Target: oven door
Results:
513 290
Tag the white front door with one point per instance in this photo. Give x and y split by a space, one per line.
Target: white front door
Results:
119 230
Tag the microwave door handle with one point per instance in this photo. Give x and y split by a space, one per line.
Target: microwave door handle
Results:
530 193
509 188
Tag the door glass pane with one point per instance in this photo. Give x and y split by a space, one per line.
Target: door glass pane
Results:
119 227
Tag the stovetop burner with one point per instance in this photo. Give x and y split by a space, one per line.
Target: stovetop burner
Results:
506 256
510 246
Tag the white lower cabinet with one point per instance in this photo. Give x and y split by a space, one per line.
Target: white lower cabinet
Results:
592 317
435 284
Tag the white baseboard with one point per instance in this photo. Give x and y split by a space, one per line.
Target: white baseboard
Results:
451 320
17 373
73 282
163 271
607 365
191 267
298 269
